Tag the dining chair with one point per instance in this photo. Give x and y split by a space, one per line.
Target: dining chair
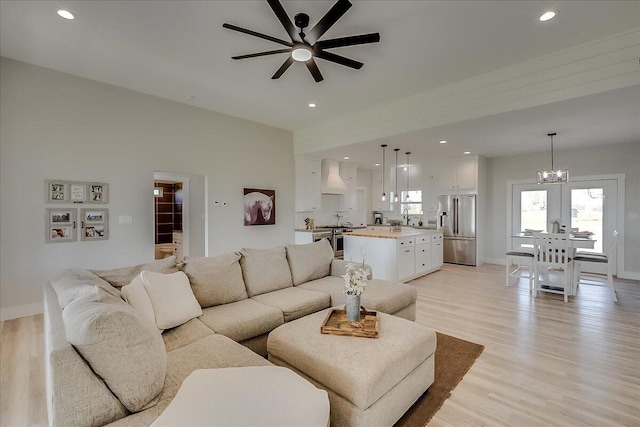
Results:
552 263
519 258
583 258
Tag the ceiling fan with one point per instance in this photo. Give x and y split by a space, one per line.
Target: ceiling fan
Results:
306 47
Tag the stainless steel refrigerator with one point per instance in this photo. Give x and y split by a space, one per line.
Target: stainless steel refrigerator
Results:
457 220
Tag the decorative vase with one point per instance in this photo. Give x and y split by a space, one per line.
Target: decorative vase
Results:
353 307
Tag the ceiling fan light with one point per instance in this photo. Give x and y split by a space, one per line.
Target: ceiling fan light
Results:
301 54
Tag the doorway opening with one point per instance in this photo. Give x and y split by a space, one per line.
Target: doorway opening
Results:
171 216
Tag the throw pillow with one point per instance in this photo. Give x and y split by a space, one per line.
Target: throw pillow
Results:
126 351
309 262
217 280
171 297
120 277
136 296
265 270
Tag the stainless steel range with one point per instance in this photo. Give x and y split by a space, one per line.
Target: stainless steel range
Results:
334 234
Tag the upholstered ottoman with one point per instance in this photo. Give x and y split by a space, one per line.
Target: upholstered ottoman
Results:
246 396
371 382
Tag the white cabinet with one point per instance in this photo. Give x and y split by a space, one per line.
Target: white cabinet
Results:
457 176
436 255
308 183
348 173
376 192
430 195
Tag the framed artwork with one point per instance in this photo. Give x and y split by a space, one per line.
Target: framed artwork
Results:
56 192
259 207
60 225
95 224
76 192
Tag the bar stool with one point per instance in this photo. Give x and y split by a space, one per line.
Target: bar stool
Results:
520 258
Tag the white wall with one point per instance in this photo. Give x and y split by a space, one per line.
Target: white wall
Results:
57 126
609 159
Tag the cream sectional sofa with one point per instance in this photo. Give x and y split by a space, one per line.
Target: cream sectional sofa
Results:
107 364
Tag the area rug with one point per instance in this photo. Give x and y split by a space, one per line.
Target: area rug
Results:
454 357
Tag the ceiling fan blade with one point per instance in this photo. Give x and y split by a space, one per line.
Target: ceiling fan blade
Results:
335 13
348 41
284 19
339 59
255 34
283 68
255 55
314 70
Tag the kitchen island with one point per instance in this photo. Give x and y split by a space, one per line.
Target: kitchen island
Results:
395 255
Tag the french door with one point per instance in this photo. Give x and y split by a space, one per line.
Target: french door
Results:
583 205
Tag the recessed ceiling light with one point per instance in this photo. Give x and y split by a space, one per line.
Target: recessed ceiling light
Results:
312 105
377 164
443 142
467 152
346 157
547 15
65 14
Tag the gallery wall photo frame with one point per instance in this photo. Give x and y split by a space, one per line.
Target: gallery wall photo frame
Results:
60 225
94 224
57 191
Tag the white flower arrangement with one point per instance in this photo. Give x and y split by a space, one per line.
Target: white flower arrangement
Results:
355 280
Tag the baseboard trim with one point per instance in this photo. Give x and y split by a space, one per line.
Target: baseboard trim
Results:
631 275
21 311
498 261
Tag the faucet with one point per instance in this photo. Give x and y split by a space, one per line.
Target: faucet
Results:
405 213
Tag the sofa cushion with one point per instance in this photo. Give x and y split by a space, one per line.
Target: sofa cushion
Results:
120 277
265 270
214 351
71 281
295 302
185 334
310 261
381 295
171 297
216 280
124 349
242 320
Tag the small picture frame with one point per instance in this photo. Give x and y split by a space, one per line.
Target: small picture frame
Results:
78 192
56 192
95 224
98 192
60 225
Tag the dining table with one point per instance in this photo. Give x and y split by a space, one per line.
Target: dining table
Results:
525 240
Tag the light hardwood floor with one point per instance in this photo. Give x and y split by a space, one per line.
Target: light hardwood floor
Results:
545 363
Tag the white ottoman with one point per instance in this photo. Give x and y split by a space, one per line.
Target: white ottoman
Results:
246 396
371 382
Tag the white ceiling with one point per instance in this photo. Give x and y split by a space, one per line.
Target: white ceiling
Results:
179 50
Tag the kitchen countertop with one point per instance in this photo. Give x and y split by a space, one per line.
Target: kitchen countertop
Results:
387 234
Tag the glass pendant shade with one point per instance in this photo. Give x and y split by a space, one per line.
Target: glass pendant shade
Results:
553 176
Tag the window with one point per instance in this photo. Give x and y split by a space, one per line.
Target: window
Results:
533 210
411 201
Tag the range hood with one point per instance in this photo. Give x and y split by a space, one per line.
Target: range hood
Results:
332 183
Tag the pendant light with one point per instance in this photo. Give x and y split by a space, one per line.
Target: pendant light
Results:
384 195
407 169
395 196
553 176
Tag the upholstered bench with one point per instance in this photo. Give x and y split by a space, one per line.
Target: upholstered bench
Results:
370 382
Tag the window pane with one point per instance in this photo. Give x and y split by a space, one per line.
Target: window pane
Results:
587 213
415 196
413 208
533 210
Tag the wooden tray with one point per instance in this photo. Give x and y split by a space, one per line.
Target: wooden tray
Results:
336 323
